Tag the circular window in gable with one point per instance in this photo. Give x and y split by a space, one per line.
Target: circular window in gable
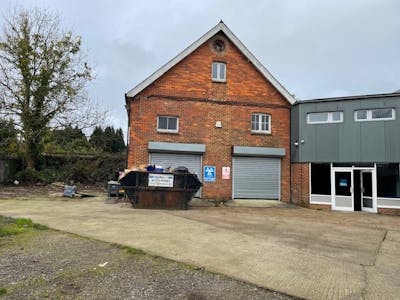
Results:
219 45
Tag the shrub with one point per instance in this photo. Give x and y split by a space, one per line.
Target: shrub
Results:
83 169
30 176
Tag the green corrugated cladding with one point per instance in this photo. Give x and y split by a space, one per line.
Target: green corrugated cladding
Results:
350 141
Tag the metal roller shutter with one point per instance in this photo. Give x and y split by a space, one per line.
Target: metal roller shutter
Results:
173 160
256 177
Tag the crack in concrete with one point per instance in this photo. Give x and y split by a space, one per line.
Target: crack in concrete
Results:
365 280
378 249
364 267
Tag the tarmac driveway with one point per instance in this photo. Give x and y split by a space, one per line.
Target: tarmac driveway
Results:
304 253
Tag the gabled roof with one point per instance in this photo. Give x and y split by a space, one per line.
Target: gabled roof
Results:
219 27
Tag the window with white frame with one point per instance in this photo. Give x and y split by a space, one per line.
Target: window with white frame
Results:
218 71
260 123
377 114
167 124
325 117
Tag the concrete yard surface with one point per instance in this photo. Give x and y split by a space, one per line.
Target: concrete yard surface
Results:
305 253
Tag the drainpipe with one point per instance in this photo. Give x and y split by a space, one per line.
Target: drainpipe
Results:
128 110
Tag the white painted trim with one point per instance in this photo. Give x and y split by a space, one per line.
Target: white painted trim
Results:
388 206
329 117
213 31
260 131
321 203
333 188
218 65
369 115
375 189
372 170
309 183
373 208
168 130
391 199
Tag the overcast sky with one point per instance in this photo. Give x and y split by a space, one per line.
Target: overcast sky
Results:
314 48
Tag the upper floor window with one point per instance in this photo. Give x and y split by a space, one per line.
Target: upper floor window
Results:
218 72
325 117
167 124
378 114
260 123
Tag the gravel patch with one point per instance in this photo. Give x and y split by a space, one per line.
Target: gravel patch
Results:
52 264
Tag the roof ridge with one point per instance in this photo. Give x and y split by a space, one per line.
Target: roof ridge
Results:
192 47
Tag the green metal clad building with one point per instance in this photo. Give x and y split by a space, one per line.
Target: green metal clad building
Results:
352 148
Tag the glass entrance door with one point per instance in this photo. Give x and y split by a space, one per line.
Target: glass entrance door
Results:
343 190
367 198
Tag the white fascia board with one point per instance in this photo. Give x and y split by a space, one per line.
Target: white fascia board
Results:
219 27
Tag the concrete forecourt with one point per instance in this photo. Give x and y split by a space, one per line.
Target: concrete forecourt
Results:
305 253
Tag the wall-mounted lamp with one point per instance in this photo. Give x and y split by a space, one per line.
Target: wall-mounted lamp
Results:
218 124
302 142
296 143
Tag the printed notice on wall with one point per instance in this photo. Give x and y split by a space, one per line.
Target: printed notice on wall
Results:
226 172
163 180
209 173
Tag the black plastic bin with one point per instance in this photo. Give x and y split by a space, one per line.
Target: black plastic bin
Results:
113 188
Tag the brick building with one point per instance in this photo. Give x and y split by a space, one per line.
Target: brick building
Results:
215 108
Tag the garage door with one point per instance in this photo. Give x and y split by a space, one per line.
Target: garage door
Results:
173 160
256 177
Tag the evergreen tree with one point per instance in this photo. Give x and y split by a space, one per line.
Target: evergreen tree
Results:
108 140
120 140
97 138
67 140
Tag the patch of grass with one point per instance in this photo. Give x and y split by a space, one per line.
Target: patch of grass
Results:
7 230
132 251
3 291
40 226
10 226
22 222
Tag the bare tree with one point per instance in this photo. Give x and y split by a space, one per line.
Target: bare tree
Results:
43 74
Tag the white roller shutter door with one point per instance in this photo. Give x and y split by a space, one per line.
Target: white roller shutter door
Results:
256 177
173 160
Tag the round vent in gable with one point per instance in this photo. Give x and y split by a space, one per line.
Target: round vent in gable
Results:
219 45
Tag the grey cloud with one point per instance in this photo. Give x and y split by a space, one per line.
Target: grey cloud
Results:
315 48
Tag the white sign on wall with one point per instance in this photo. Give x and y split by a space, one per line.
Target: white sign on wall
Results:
163 180
226 172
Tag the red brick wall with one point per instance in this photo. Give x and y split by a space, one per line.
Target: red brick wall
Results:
300 184
188 92
389 211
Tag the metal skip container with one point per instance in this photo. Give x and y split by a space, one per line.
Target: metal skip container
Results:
160 190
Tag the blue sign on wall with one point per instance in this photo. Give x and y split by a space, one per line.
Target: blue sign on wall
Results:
209 173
